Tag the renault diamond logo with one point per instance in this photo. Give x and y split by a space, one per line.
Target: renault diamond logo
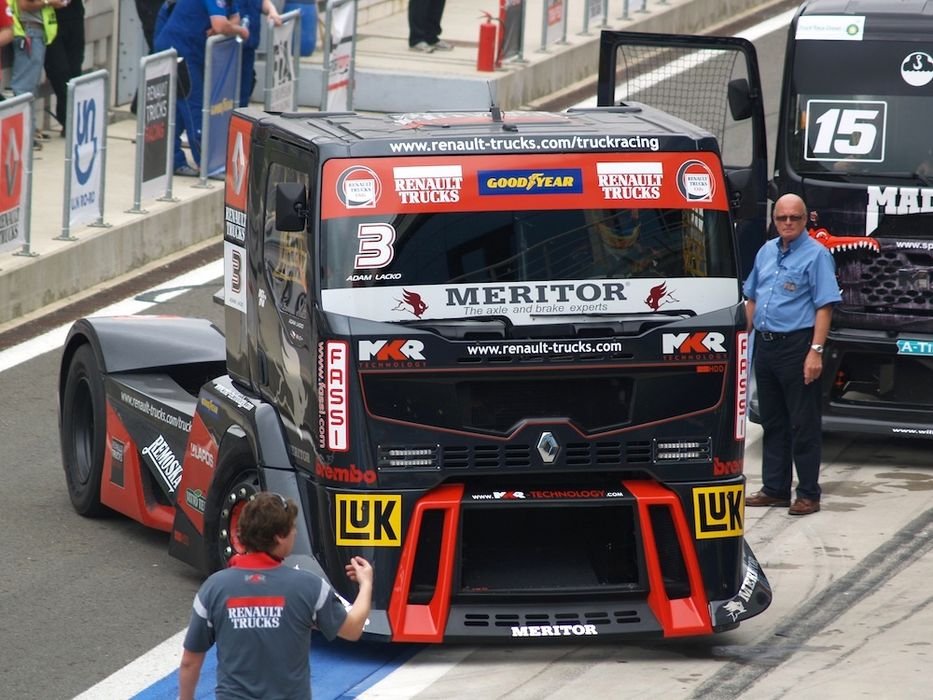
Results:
548 448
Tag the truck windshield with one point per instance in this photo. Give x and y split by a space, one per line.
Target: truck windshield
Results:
525 246
860 109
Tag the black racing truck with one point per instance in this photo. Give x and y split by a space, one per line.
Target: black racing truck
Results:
855 141
502 356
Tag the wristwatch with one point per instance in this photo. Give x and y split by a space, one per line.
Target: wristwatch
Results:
818 349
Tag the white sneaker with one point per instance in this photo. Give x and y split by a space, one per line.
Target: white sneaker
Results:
423 47
442 45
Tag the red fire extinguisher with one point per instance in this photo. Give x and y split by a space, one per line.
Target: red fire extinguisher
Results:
486 56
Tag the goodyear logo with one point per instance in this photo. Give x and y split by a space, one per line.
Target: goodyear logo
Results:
375 521
719 511
550 181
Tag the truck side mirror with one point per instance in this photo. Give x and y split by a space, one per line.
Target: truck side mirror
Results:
291 206
740 99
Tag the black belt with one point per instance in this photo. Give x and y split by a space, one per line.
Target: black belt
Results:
769 336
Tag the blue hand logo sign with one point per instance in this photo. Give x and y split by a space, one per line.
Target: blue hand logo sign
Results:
85 145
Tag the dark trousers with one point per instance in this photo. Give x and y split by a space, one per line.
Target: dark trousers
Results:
424 21
791 415
64 56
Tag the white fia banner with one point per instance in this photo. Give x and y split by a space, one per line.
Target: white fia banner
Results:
87 143
339 70
282 92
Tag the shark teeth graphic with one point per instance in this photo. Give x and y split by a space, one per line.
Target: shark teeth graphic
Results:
836 244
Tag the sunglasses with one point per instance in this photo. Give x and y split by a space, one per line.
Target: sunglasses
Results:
789 217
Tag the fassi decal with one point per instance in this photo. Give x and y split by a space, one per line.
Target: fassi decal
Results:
337 417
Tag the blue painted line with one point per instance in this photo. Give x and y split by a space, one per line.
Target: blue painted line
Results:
339 670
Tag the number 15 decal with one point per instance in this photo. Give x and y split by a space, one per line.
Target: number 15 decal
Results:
845 130
376 248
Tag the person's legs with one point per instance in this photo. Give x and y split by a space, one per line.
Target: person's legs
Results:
805 405
419 27
189 116
28 59
435 11
247 76
776 464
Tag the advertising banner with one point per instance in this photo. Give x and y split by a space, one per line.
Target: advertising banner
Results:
512 14
281 70
339 65
391 186
554 22
86 145
222 84
14 149
157 83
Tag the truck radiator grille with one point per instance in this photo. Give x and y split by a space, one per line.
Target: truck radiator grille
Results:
496 457
886 289
496 403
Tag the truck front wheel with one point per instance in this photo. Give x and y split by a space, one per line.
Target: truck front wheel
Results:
83 435
223 537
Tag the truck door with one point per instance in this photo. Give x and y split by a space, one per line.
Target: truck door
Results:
712 82
283 355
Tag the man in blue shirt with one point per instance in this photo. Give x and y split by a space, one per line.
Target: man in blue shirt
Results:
790 293
185 25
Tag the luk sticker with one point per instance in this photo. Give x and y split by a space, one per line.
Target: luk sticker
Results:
374 521
718 511
917 69
696 181
359 187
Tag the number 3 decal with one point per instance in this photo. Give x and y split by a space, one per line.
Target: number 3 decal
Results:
375 249
840 129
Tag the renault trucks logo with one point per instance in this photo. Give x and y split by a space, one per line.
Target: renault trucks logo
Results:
374 521
917 69
690 345
548 447
429 184
550 181
359 188
629 180
238 165
696 182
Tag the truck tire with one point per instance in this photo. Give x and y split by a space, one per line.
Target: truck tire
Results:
83 435
222 538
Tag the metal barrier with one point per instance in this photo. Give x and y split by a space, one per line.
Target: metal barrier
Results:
593 9
85 152
339 56
283 64
553 23
16 135
221 97
155 128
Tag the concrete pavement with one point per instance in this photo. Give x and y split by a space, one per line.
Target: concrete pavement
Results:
389 78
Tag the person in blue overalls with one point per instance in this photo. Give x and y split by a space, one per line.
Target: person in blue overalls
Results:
186 29
251 12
